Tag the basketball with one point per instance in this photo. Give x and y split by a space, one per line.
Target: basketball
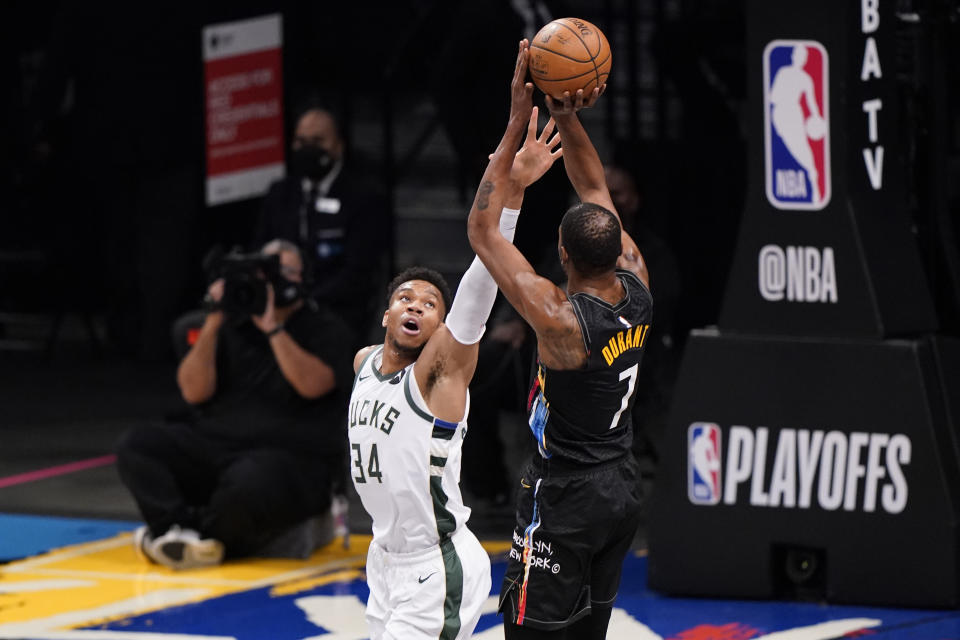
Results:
569 54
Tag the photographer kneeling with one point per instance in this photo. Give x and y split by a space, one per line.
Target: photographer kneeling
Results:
270 376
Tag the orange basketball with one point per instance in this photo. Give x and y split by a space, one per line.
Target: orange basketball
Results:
569 54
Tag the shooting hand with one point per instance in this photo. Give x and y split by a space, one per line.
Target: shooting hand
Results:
571 104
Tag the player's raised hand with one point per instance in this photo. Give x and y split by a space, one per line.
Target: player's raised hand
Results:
537 154
521 91
571 104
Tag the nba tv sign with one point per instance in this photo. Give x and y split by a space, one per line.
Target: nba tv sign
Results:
796 124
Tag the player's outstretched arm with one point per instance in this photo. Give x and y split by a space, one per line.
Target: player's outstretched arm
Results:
447 363
585 170
582 162
508 175
477 290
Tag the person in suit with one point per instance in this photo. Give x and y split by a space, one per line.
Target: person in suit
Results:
340 220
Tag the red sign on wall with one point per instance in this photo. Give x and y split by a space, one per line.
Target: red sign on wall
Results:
244 107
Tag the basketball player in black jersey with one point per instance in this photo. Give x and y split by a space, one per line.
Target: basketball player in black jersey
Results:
579 501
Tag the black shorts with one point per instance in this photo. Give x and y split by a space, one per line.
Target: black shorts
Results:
573 531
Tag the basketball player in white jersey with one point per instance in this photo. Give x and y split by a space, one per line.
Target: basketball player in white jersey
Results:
428 574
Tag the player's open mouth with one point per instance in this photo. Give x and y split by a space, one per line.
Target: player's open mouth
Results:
410 327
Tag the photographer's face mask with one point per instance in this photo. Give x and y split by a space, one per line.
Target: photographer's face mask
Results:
312 161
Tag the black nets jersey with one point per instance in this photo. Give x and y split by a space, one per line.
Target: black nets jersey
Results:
582 416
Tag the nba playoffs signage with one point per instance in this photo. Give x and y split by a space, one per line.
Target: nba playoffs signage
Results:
804 443
811 468
825 247
244 107
841 448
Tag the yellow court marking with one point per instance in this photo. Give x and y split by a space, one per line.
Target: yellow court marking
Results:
107 580
495 548
102 581
298 586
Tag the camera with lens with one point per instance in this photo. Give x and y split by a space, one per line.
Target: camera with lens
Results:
245 277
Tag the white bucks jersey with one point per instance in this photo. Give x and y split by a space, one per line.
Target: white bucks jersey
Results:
405 462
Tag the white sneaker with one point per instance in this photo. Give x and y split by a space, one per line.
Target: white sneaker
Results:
182 548
143 544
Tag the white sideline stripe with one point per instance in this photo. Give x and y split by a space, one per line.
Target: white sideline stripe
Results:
822 631
295 574
44 585
28 566
491 605
623 626
493 633
150 576
306 572
341 616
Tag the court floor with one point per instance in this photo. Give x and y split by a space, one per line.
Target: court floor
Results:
68 571
79 579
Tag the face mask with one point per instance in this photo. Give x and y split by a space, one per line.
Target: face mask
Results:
285 292
312 162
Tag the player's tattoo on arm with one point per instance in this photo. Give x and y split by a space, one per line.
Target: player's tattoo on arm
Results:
436 372
483 195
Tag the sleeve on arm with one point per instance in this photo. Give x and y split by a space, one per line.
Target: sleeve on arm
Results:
477 292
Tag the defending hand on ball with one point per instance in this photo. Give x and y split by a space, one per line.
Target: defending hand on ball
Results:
521 91
537 154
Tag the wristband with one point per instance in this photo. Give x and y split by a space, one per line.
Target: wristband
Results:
277 329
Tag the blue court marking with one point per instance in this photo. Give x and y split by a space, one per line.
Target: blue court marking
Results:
254 615
23 535
249 615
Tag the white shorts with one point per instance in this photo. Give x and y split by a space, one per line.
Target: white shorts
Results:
430 593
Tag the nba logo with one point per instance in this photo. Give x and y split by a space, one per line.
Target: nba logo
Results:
703 463
796 118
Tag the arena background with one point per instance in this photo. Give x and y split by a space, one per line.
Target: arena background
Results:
105 220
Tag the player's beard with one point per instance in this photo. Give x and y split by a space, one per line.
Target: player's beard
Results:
408 351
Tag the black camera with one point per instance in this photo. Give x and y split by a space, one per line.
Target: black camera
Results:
245 277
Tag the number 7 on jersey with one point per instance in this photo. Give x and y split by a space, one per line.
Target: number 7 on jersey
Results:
630 374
